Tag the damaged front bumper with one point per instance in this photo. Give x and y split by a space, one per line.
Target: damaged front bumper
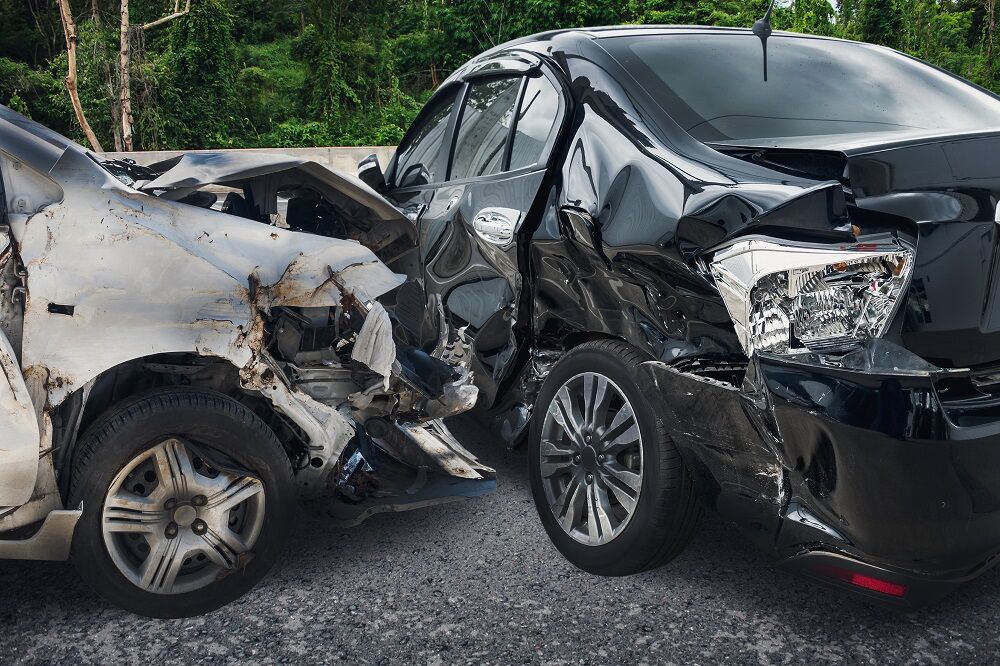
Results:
391 451
877 472
392 467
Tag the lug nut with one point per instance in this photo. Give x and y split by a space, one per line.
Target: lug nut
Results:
171 531
590 478
199 527
576 460
170 504
199 500
601 457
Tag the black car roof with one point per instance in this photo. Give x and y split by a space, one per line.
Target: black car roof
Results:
544 41
597 33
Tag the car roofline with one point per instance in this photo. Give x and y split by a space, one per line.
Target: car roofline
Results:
597 33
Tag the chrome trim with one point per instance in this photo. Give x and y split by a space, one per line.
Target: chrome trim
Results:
496 225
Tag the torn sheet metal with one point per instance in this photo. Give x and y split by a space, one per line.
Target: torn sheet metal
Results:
437 442
19 443
197 169
146 276
329 428
113 275
374 481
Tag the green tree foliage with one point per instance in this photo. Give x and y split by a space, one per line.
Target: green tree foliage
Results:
814 17
249 73
879 22
199 106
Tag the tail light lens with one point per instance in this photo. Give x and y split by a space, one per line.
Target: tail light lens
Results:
863 581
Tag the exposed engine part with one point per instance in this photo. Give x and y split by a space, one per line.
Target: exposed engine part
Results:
328 383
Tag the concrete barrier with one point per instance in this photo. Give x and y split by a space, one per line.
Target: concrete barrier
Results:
338 158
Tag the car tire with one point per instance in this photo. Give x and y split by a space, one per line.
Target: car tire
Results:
190 463
628 533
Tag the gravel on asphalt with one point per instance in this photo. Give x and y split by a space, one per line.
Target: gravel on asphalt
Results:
478 581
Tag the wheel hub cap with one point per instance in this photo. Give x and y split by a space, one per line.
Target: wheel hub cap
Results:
172 523
185 515
591 458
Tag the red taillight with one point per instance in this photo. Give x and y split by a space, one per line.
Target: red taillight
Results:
861 580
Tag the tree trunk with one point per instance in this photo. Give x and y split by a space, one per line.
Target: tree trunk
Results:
125 82
69 28
991 22
39 10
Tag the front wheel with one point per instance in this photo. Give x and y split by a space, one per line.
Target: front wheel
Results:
187 498
608 482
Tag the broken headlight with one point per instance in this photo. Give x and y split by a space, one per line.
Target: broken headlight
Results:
794 298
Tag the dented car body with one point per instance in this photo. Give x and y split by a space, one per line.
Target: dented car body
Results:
120 279
783 284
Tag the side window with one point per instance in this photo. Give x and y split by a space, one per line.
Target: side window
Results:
24 191
537 122
420 160
484 127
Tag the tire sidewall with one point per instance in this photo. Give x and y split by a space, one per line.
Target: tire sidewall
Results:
245 443
625 552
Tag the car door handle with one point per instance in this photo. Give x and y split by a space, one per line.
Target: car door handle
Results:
496 225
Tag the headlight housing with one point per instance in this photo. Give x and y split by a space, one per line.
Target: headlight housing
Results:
788 298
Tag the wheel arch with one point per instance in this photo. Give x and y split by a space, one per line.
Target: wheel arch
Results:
81 408
573 340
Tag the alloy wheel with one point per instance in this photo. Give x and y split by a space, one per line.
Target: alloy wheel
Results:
591 458
174 523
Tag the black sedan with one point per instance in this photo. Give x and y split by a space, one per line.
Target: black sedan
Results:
702 268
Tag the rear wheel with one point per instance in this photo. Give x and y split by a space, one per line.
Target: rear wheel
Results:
608 482
187 499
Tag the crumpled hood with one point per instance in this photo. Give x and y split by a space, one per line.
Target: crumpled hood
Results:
197 169
145 275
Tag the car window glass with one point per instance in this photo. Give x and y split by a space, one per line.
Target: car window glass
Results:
25 189
484 127
419 162
714 87
536 122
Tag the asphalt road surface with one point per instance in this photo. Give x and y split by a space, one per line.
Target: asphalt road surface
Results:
478 581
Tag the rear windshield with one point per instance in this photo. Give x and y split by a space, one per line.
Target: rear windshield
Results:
713 86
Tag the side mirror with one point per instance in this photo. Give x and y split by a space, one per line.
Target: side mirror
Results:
370 173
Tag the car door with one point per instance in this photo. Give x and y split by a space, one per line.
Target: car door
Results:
19 435
474 193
